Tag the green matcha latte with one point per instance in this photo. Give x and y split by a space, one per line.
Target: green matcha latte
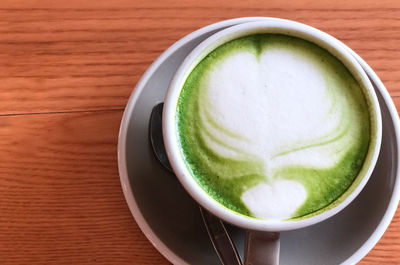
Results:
273 127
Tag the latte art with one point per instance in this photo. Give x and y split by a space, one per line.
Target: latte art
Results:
272 126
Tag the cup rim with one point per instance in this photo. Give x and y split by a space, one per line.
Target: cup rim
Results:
290 28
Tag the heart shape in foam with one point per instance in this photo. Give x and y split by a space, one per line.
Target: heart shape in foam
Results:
267 109
276 102
273 106
278 200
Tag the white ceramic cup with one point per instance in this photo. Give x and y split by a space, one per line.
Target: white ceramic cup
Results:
170 132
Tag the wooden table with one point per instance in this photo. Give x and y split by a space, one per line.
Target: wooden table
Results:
67 70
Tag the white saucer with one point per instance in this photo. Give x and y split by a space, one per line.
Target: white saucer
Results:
171 220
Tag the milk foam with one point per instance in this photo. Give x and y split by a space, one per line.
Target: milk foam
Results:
279 200
280 107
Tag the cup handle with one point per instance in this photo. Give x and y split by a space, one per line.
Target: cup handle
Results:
262 248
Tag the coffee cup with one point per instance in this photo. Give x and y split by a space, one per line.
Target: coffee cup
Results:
322 122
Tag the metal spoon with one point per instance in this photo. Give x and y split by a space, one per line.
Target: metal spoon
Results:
222 242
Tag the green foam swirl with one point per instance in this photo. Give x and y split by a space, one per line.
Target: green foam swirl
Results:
226 177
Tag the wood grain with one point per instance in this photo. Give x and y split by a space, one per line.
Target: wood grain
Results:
61 201
62 58
67 70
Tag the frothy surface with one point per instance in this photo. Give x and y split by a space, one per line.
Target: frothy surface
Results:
273 126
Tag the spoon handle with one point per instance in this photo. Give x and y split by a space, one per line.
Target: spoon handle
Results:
222 242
